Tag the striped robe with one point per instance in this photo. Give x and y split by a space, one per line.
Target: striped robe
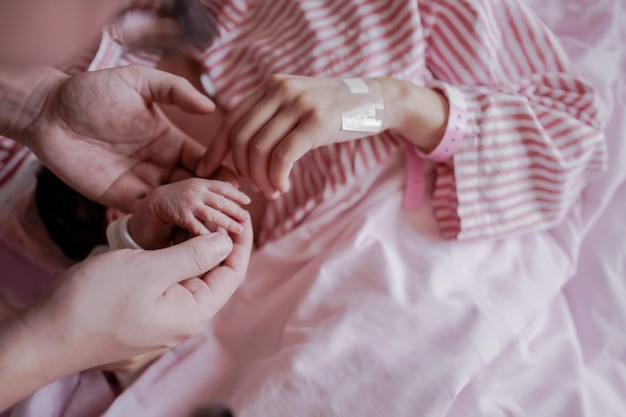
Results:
533 138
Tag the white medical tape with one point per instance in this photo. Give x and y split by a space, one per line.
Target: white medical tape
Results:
363 110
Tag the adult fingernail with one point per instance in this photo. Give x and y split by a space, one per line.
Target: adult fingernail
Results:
222 243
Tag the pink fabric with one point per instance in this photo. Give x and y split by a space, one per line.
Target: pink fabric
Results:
356 313
415 182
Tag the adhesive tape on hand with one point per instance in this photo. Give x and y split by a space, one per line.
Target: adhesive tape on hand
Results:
363 110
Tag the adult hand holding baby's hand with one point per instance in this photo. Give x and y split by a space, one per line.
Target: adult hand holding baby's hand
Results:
124 303
197 205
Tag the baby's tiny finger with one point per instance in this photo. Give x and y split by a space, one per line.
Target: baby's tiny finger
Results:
196 227
222 204
228 191
209 216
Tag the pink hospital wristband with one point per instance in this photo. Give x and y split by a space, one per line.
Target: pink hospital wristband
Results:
452 137
457 123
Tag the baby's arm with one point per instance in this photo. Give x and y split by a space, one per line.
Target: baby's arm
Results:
197 205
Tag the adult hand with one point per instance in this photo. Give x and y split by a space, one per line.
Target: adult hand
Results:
290 115
125 303
118 305
279 123
102 133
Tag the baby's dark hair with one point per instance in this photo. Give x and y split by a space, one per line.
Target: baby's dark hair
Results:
75 223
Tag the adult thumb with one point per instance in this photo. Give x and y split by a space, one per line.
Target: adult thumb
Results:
157 86
189 259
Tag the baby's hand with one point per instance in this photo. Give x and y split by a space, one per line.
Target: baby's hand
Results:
197 205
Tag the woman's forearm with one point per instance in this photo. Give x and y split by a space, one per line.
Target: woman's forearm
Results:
419 114
23 91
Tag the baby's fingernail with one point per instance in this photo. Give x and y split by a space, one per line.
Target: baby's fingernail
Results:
238 228
285 186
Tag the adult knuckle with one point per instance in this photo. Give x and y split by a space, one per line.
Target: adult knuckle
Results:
313 115
302 102
281 155
280 84
257 147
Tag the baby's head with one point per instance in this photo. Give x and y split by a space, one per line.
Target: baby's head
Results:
75 223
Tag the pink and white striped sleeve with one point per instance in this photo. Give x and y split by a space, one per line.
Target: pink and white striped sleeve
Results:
533 138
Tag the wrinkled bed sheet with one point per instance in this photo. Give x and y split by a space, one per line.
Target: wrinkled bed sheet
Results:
364 311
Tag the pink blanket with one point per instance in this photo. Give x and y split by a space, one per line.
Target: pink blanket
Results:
379 316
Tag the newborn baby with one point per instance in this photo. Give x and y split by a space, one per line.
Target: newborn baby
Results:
195 206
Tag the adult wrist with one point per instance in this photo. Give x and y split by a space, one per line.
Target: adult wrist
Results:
28 360
419 114
23 95
49 341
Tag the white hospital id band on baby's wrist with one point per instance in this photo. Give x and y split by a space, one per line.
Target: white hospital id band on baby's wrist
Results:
364 109
118 236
